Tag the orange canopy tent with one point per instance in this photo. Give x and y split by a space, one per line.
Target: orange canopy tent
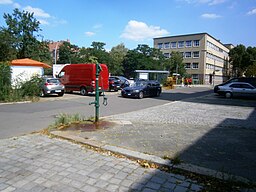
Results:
29 62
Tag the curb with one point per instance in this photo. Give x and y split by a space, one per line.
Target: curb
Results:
150 158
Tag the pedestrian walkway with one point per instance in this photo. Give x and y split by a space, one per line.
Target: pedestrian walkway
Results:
38 163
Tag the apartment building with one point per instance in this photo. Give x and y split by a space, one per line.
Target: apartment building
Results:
206 58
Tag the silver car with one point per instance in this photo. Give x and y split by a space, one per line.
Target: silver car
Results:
237 89
52 86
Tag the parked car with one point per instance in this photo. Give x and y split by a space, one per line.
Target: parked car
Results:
141 89
251 80
114 84
237 89
124 82
52 86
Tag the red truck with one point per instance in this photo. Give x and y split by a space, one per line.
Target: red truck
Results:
82 77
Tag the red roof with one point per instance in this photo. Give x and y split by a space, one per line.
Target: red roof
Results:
29 62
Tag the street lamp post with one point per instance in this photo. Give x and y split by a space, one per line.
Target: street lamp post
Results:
55 53
213 73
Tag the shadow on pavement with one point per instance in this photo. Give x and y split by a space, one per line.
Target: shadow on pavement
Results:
229 149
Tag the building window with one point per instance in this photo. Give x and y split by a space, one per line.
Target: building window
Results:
195 77
160 45
188 43
187 54
196 54
174 44
196 43
195 66
166 55
180 44
167 45
187 65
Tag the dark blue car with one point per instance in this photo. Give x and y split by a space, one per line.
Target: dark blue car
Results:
140 89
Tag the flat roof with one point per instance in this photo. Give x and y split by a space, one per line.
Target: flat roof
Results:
190 35
151 71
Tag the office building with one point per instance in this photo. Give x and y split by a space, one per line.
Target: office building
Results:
206 58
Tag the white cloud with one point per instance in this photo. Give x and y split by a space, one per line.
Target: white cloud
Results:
210 16
16 5
252 12
97 26
89 33
37 12
216 2
4 2
43 22
136 31
209 2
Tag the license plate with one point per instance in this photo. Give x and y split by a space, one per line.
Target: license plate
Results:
58 91
129 94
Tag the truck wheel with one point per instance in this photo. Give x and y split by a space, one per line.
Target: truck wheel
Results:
83 91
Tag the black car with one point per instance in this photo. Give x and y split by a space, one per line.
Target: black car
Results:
251 80
124 82
142 89
114 84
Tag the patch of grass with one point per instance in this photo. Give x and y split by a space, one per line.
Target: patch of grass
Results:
63 120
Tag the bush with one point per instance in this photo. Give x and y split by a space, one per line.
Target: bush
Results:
31 88
28 90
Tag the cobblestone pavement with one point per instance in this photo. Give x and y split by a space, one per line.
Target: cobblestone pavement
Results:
210 132
38 163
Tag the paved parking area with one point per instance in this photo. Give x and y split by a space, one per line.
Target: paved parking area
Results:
38 163
209 131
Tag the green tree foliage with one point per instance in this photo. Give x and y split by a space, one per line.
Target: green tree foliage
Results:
20 37
242 59
142 58
99 52
65 53
175 64
7 49
117 55
5 81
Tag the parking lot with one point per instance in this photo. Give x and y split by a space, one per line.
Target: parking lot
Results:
207 131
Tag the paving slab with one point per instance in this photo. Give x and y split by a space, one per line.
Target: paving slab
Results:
203 133
25 166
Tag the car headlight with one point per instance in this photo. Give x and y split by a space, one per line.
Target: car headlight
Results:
136 91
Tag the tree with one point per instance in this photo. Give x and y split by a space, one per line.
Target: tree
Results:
175 64
20 37
242 59
69 53
99 52
117 55
7 50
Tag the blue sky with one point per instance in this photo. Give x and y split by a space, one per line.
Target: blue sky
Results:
134 22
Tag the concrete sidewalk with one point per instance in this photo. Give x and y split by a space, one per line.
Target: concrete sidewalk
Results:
209 138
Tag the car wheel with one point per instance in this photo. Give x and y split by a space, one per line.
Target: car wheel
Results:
141 95
83 91
228 94
42 94
158 93
61 94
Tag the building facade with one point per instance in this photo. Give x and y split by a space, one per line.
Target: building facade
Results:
206 58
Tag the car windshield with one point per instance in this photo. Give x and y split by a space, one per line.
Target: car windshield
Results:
139 84
56 81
